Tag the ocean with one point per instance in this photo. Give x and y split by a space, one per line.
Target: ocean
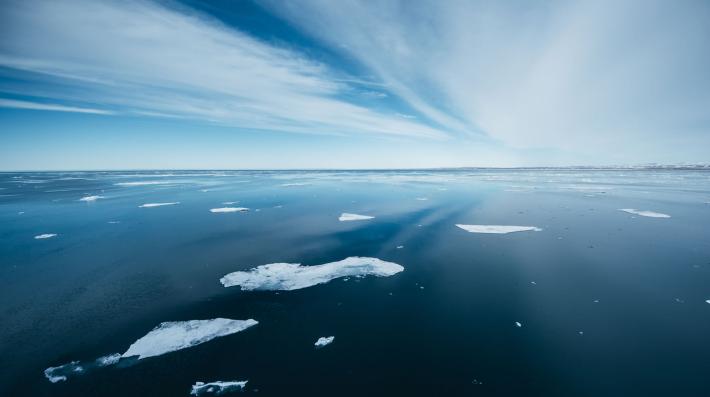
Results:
603 290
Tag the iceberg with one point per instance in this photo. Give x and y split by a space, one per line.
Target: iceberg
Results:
217 388
151 205
91 198
292 276
229 209
324 341
344 217
176 335
497 229
45 235
649 214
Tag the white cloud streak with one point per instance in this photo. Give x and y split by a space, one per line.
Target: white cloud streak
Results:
146 58
592 76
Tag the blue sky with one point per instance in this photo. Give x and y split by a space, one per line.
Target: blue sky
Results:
108 84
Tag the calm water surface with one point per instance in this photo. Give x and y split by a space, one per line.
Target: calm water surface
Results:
610 304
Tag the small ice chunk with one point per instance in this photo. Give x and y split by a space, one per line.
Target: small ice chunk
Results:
344 217
581 332
497 229
144 183
45 235
91 198
324 341
292 276
176 335
295 184
110 359
518 324
229 209
218 387
649 214
60 373
151 205
399 247
229 202
422 198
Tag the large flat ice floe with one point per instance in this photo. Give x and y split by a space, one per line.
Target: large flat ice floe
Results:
497 229
91 198
229 209
324 341
649 214
176 335
151 205
217 388
344 217
292 276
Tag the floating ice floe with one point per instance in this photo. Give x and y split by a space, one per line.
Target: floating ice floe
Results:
217 388
60 373
295 184
44 236
292 276
518 324
110 359
707 301
497 229
649 214
344 217
324 341
229 209
229 202
176 335
91 198
145 183
422 198
399 247
151 205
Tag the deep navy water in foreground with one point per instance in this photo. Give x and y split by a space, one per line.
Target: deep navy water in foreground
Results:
610 303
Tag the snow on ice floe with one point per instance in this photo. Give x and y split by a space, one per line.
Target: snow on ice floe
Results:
110 359
218 387
151 205
324 341
229 209
176 335
344 217
292 276
60 373
91 198
45 235
497 229
649 214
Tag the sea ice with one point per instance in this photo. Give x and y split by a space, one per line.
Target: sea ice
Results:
44 236
217 388
497 229
649 214
353 217
91 198
60 373
292 276
176 335
144 183
110 359
230 209
324 341
151 205
518 324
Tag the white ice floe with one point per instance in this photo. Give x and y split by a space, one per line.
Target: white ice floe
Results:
324 341
292 276
176 335
60 373
107 360
497 229
518 324
707 301
217 388
91 198
145 183
229 202
229 209
151 205
44 236
295 184
399 247
422 198
344 217
649 214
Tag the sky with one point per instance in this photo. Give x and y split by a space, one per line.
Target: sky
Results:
284 84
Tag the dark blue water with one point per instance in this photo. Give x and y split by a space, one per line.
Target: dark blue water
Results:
618 305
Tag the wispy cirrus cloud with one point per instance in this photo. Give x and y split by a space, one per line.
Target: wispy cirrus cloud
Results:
626 78
148 58
15 104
